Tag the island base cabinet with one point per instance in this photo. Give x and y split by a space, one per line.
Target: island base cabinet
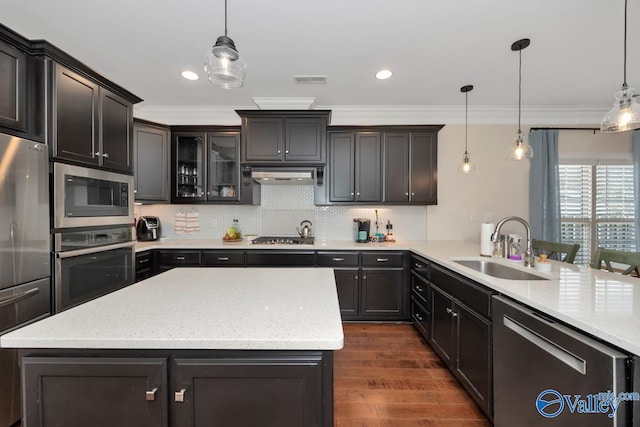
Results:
97 392
269 392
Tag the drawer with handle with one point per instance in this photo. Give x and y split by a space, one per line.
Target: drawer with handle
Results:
420 266
338 259
222 258
419 287
175 258
382 259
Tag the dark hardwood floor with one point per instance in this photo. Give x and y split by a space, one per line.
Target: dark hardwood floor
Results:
387 376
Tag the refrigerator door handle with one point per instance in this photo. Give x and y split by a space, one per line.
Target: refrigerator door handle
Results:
550 347
17 298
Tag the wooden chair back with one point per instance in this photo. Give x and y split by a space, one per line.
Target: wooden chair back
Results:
631 259
565 252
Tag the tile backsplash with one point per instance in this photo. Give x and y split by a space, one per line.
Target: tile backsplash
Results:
283 208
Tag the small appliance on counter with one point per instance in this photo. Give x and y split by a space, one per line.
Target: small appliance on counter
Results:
148 228
362 232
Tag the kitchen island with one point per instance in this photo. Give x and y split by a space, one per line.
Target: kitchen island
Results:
189 346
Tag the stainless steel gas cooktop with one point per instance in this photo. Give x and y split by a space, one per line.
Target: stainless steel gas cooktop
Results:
282 240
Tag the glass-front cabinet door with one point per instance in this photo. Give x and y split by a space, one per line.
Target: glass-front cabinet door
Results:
189 165
223 172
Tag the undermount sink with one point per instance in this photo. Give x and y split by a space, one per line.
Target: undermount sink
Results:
498 270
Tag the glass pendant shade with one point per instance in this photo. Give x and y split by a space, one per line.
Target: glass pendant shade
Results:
466 166
224 66
625 114
520 149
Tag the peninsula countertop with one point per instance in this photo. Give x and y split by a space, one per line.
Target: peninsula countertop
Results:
196 308
602 304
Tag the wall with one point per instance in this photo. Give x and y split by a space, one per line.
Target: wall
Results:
283 207
498 187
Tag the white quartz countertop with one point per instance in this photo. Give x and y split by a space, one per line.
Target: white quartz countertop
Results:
201 308
600 303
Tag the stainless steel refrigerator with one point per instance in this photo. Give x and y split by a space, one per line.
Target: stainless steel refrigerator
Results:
25 260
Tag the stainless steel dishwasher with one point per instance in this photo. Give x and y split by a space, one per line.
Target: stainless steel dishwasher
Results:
546 374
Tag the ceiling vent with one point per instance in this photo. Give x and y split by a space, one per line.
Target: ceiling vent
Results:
310 80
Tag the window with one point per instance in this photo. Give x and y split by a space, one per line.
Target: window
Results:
597 208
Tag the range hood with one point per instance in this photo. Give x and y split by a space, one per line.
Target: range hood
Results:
283 175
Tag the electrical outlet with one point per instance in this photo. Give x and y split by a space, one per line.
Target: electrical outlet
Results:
473 217
214 222
488 216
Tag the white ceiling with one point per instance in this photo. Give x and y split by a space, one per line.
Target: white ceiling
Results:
570 72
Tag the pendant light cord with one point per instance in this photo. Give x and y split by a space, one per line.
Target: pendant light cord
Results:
520 89
225 18
624 84
466 120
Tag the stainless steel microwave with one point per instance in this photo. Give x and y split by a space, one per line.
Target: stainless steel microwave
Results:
85 197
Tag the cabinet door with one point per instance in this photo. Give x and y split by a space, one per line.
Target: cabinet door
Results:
304 139
187 167
368 186
341 167
348 292
271 391
223 174
13 87
151 163
472 363
441 338
97 392
263 139
116 124
396 167
382 293
424 168
75 117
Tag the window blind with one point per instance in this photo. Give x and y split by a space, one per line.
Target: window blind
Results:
597 208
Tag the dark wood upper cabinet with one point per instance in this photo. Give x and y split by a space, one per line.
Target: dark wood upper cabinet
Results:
76 102
354 167
411 167
90 124
274 137
151 145
13 87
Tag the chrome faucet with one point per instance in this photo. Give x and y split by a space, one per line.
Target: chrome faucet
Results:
528 255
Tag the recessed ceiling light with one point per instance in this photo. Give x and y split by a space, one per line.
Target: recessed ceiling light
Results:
383 74
189 75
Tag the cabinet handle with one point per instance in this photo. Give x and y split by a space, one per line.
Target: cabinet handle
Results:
419 288
208 193
356 277
135 191
279 151
382 259
179 395
357 194
406 194
418 317
418 265
180 258
454 314
223 258
151 395
105 155
352 194
286 151
97 153
449 311
413 194
364 277
337 259
143 261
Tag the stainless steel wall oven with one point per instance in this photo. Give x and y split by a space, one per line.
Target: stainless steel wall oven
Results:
91 262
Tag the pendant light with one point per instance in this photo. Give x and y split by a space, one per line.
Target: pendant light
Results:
520 149
625 114
224 65
466 166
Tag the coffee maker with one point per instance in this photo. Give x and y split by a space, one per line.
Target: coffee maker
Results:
362 233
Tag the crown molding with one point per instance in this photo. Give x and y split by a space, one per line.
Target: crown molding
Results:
391 115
